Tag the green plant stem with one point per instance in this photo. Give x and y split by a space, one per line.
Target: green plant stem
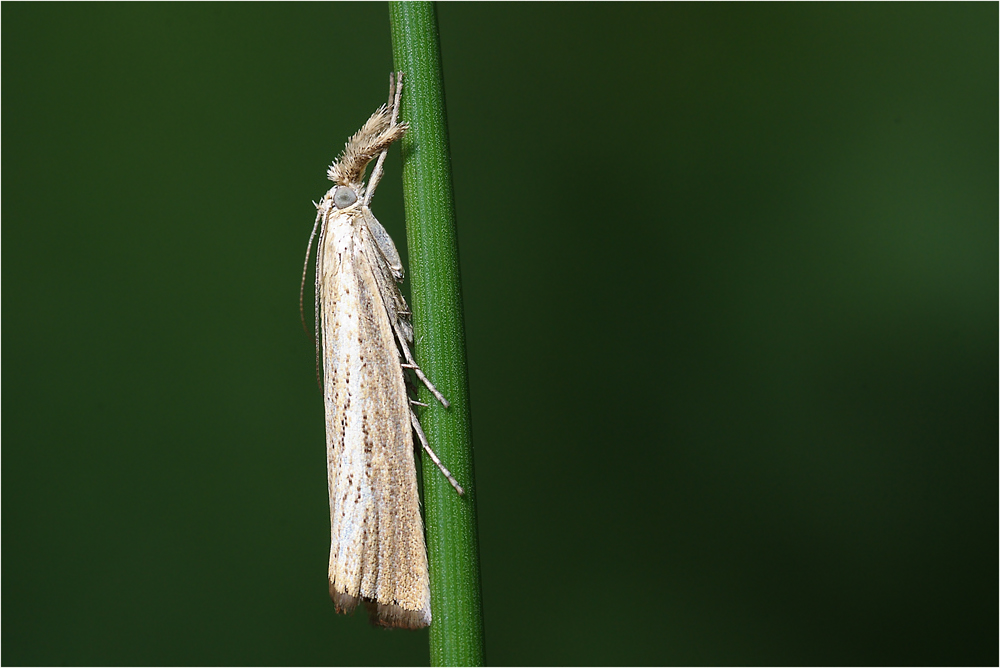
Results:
456 634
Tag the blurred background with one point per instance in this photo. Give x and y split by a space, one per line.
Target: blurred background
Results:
730 279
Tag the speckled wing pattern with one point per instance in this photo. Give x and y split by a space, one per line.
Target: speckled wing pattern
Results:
377 552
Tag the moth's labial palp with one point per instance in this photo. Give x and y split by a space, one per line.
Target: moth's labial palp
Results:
344 197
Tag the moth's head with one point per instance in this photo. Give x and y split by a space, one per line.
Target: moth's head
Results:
344 196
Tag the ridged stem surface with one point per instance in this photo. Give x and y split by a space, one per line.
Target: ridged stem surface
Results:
456 633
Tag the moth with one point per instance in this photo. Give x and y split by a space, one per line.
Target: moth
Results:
364 347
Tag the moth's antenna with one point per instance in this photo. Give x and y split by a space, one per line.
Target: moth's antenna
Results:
305 270
395 92
316 307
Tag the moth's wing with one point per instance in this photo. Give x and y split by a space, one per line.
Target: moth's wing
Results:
388 271
377 552
384 243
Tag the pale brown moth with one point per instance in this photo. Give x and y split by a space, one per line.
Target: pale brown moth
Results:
377 552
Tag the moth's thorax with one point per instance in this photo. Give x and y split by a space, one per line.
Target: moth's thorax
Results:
351 221
343 241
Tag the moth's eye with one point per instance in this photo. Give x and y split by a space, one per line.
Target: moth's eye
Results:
344 197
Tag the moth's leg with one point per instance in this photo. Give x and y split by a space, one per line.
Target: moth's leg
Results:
395 97
423 441
411 364
410 387
392 90
395 91
425 380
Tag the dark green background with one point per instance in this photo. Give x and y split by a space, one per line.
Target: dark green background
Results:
730 278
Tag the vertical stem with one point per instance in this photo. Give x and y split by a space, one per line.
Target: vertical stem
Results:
456 633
